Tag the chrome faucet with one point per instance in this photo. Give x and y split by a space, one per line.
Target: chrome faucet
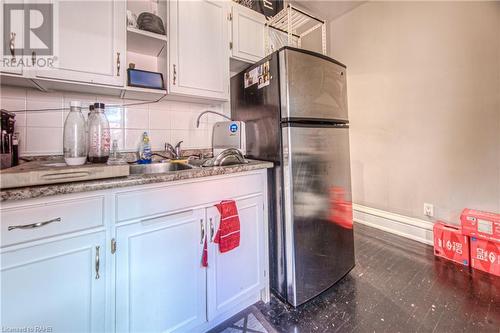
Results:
210 111
176 151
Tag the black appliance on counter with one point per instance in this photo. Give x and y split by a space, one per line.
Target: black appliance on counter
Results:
9 152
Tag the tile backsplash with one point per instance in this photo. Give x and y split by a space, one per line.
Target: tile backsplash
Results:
41 132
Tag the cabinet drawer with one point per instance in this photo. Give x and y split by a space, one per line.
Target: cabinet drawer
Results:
31 222
151 201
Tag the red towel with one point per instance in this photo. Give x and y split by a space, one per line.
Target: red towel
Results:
228 234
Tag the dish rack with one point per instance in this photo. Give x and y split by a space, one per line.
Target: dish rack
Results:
289 26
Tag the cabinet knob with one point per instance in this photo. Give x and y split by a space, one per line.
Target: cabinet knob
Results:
113 246
97 262
12 44
175 75
202 225
117 63
212 230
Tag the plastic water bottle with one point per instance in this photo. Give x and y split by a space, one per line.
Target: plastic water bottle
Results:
99 135
74 139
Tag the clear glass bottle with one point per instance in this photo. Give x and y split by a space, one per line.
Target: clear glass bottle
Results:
115 157
99 135
75 137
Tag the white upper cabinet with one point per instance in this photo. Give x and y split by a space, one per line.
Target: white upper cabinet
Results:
59 285
15 35
160 282
199 49
247 31
90 42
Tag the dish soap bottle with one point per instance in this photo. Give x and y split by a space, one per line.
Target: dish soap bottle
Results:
99 135
75 136
145 150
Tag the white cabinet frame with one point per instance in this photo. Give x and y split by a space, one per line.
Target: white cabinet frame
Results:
164 207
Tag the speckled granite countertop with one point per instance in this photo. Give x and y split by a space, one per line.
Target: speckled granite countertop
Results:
31 192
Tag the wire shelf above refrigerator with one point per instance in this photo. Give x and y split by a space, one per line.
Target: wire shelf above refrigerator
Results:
292 24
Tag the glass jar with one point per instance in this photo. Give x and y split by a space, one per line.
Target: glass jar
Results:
99 135
75 137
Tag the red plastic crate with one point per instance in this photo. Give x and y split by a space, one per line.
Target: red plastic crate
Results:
483 225
485 255
450 243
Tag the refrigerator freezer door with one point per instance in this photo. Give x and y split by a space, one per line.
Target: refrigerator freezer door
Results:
312 87
259 108
319 244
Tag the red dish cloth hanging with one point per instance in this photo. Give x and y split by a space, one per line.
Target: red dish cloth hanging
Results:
228 234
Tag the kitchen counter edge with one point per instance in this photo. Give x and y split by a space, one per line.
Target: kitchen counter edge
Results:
31 192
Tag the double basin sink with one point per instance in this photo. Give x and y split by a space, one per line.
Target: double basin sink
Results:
160 167
227 157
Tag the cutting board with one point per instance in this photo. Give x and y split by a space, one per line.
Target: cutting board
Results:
56 171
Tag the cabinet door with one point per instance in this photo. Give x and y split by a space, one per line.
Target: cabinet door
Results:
248 28
90 42
17 27
160 283
237 275
199 49
55 285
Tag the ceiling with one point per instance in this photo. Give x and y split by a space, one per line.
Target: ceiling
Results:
327 9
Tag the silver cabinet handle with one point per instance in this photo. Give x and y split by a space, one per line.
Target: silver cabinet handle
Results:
202 231
12 44
97 262
117 63
175 75
211 229
33 225
113 246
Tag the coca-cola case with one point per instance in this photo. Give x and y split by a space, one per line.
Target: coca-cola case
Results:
485 255
450 243
484 225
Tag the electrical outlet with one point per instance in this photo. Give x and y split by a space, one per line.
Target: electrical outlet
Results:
428 209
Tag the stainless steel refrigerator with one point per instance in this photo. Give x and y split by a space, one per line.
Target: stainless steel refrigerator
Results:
294 106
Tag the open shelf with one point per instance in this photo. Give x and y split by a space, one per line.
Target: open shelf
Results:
290 25
145 42
142 93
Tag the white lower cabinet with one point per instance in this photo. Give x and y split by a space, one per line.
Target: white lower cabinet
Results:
70 277
160 282
58 285
158 264
238 275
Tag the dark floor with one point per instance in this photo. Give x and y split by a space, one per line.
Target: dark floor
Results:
397 286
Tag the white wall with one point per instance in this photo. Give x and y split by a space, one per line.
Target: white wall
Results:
167 121
424 104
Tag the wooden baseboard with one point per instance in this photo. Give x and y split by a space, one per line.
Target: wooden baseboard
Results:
409 227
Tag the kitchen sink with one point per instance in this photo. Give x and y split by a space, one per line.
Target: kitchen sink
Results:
158 168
